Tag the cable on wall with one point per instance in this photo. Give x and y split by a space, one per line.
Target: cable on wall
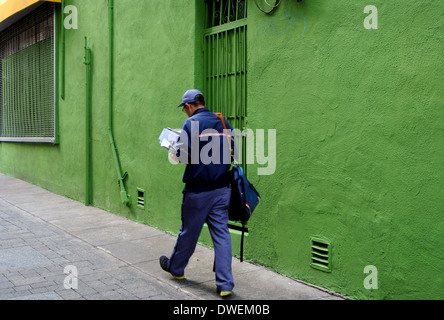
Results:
277 3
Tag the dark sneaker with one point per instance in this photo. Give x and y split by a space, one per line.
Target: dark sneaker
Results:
164 265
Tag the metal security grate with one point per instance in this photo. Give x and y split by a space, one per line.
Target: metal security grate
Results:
225 65
27 83
220 12
140 198
321 254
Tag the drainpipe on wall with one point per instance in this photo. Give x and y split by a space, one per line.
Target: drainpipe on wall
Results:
124 195
88 125
62 89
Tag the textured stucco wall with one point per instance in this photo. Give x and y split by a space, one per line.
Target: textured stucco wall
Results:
154 65
358 115
360 144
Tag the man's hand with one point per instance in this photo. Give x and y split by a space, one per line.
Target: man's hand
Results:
172 156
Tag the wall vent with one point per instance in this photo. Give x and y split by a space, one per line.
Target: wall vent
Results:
321 254
140 198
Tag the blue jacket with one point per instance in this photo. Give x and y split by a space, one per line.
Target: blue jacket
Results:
203 146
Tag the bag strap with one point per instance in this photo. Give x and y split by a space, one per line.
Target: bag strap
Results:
242 244
243 229
221 117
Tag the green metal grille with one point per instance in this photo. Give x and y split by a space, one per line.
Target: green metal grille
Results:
321 254
27 86
225 55
220 12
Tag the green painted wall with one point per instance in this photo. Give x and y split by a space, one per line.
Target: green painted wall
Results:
359 121
360 143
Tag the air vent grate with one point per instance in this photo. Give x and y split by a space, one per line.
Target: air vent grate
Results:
140 198
321 254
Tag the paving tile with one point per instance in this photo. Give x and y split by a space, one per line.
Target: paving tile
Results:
115 258
21 257
40 296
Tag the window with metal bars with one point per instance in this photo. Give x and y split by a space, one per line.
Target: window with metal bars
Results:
27 82
220 12
225 61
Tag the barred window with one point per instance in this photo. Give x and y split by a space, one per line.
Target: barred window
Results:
225 62
220 12
27 83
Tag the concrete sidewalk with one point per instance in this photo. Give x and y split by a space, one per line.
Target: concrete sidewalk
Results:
42 233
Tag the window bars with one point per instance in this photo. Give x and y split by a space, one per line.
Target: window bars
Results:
225 61
220 12
27 83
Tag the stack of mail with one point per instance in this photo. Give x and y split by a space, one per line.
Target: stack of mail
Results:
168 138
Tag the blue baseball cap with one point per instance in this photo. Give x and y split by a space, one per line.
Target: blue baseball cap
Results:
190 96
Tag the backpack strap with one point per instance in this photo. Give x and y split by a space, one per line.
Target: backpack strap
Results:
242 244
243 229
221 117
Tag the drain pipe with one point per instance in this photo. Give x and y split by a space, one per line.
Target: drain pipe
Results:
87 64
63 53
121 177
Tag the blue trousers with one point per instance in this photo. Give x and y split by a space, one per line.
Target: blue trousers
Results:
210 207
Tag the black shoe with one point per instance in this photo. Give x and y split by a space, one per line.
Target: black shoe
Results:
164 265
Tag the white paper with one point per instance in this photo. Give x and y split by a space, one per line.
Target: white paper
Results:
168 138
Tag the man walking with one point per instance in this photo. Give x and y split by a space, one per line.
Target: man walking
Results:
203 147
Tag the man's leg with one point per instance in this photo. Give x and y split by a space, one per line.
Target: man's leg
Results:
218 225
194 212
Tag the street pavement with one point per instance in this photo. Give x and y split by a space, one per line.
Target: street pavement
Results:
55 248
